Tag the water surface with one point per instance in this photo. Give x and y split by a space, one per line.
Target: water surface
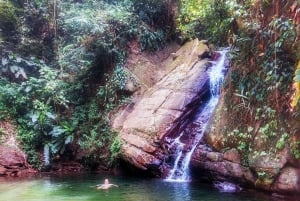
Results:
82 188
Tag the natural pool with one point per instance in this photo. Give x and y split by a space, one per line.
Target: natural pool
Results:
82 188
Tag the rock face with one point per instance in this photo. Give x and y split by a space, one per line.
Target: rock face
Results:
144 124
263 167
13 162
12 159
162 111
288 180
222 166
227 166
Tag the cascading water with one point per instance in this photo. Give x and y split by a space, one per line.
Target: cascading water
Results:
180 170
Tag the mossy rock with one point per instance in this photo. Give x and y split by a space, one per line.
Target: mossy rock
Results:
188 54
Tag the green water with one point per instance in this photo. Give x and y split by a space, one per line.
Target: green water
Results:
82 187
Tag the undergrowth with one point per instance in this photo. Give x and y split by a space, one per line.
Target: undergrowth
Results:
259 86
63 74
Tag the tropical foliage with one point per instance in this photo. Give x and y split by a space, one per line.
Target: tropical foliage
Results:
205 19
259 88
62 71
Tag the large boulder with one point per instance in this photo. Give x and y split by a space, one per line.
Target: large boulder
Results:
13 162
12 158
144 123
222 166
288 180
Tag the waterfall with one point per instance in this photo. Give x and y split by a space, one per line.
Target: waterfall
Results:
180 170
216 75
46 155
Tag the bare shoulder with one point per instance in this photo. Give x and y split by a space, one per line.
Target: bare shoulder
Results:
106 186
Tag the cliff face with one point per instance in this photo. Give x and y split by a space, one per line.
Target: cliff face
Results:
262 165
254 133
13 162
143 124
12 159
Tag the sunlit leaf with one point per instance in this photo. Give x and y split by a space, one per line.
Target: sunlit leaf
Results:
56 131
4 61
34 118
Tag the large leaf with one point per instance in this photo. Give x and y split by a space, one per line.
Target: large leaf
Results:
69 139
34 117
56 131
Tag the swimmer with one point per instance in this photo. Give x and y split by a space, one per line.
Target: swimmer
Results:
106 185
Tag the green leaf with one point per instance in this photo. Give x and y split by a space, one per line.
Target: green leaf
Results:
34 118
250 129
56 131
50 115
69 139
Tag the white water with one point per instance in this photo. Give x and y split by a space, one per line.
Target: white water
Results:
180 170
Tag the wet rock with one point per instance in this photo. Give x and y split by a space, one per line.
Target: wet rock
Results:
220 168
187 148
155 164
171 159
205 55
168 140
227 187
172 150
70 166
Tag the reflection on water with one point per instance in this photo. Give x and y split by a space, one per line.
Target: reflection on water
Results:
82 188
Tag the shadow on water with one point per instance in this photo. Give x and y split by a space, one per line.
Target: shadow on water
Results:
82 188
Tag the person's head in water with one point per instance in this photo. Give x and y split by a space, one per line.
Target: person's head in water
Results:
106 185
